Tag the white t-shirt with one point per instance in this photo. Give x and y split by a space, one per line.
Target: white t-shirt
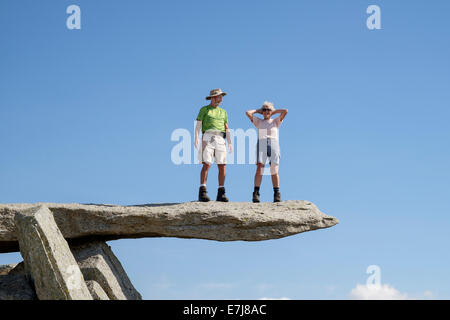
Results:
267 128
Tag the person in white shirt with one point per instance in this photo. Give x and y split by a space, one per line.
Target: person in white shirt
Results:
268 146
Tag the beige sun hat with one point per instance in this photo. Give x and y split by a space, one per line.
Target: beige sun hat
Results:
215 93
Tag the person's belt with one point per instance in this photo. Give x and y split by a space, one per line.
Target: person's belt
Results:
218 133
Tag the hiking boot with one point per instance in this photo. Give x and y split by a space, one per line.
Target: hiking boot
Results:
277 196
256 197
221 195
203 195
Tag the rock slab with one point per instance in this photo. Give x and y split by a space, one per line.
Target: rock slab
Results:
48 258
96 290
212 221
98 263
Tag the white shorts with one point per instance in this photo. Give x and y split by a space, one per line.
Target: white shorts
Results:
213 148
268 149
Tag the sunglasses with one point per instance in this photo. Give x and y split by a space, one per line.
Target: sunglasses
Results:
264 110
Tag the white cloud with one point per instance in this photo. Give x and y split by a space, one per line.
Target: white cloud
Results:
282 298
376 292
385 292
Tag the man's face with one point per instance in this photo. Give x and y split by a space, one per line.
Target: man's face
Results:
215 101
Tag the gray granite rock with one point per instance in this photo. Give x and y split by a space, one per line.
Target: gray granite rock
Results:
16 287
15 283
6 268
47 256
96 290
212 220
98 263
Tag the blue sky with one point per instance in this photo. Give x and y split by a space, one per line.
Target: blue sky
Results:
87 117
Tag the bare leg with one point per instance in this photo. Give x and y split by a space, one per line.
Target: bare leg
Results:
204 173
259 174
221 174
275 176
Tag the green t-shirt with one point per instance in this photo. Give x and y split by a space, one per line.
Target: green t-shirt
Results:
212 118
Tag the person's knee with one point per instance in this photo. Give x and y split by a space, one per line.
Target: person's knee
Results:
273 169
206 166
259 169
221 167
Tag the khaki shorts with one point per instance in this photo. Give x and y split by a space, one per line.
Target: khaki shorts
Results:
213 148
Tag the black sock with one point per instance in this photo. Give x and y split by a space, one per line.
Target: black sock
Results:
276 189
256 189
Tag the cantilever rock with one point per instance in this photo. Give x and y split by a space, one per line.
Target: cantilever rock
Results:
213 221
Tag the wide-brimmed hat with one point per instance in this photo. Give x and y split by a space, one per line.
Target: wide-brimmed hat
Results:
215 93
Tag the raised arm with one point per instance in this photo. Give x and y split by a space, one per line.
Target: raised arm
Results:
250 113
283 113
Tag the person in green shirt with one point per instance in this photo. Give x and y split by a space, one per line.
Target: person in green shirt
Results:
213 122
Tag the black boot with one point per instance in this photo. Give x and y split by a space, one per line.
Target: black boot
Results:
203 195
256 197
276 196
221 195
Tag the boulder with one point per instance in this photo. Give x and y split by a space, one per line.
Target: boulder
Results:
98 263
47 257
96 290
212 220
5 269
16 287
15 283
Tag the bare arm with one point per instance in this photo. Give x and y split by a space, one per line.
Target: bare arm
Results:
283 113
227 130
198 127
250 113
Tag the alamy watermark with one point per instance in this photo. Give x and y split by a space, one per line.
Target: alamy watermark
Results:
373 22
374 280
184 151
74 20
243 141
